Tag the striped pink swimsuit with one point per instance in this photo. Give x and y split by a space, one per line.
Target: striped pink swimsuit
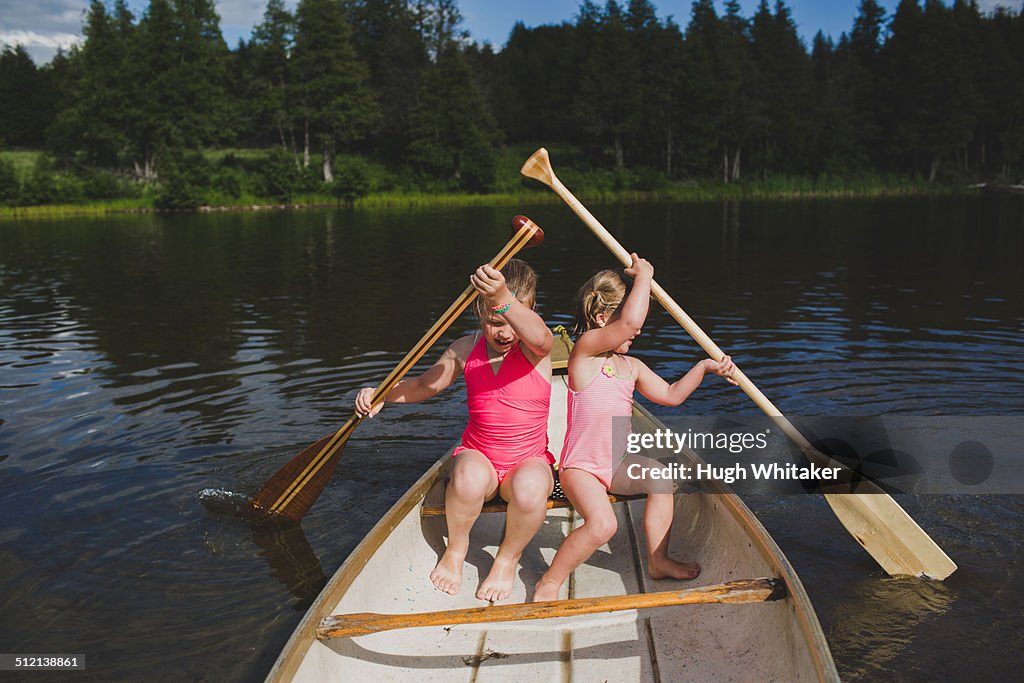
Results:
589 438
508 412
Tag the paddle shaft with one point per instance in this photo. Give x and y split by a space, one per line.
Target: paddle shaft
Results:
676 311
283 502
363 623
871 516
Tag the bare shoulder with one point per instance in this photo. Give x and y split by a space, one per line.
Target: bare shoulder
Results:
638 365
461 348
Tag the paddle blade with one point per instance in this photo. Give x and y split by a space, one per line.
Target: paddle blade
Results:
538 167
297 485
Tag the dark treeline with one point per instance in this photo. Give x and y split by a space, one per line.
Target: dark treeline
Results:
932 91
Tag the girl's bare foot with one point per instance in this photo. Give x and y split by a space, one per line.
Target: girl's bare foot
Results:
664 567
498 584
545 591
447 575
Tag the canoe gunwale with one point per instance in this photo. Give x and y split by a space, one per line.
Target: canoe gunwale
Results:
304 636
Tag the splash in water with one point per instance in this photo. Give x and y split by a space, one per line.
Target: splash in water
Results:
224 502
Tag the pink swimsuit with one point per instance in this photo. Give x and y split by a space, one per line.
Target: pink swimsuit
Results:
589 438
508 412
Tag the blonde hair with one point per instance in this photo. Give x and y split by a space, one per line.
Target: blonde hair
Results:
603 293
521 279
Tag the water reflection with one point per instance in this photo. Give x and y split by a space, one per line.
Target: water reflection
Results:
144 358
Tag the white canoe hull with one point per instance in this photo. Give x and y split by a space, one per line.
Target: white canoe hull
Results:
388 573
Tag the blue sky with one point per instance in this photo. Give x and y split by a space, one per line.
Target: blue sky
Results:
43 25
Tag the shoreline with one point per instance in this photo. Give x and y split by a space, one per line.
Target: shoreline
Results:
760 191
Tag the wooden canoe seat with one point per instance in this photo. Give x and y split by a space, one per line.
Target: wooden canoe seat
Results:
498 505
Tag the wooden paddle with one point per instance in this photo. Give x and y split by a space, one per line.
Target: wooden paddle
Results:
297 485
733 592
877 521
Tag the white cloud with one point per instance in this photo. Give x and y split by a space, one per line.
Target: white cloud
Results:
987 6
34 39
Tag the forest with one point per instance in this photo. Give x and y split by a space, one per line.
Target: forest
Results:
343 98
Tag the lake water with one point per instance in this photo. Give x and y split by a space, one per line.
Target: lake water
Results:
145 359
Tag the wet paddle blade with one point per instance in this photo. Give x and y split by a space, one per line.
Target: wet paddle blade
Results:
295 487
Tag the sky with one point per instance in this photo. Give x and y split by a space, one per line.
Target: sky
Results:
44 25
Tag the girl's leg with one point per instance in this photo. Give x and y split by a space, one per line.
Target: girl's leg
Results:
658 527
658 515
472 482
588 495
526 488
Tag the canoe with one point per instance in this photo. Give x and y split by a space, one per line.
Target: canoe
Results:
388 572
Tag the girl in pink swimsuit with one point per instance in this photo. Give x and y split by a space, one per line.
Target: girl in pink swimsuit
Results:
601 384
504 449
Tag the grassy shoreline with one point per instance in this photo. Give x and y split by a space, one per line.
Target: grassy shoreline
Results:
787 189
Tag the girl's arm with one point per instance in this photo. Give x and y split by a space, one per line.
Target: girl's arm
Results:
432 382
528 326
661 392
631 315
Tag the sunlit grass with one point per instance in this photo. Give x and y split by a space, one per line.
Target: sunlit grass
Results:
132 205
591 185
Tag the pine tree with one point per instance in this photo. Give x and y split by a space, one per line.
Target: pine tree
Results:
453 133
861 66
657 47
782 89
271 46
386 36
329 87
535 80
608 92
22 118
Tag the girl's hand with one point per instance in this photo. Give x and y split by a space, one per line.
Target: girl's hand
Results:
640 267
723 368
490 283
363 403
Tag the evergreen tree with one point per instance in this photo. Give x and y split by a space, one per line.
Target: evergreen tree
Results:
453 133
438 22
702 90
329 87
535 79
608 92
1004 84
272 42
860 79
98 107
782 90
23 119
386 36
656 46
928 86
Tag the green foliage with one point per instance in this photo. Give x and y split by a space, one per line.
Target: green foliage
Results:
351 181
453 134
47 184
10 188
330 86
183 181
25 92
281 177
934 91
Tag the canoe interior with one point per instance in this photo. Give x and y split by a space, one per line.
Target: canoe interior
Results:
388 573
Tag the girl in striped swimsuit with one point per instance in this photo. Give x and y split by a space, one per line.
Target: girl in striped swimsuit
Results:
504 449
601 384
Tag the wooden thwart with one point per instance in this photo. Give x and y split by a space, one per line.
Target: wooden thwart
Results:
363 623
499 505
